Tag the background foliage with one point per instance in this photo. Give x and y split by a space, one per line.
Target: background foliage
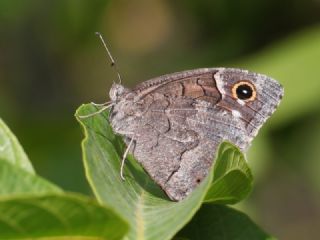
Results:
51 61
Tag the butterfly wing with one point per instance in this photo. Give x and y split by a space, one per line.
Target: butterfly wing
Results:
177 122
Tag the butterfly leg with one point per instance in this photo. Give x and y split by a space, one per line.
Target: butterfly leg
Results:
97 112
124 159
101 104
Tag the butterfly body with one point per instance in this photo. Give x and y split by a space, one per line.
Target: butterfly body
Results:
178 120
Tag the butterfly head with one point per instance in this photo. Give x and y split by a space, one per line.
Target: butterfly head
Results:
117 91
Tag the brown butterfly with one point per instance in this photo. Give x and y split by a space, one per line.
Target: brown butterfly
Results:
173 124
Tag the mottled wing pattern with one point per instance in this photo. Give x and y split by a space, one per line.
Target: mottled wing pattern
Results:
177 122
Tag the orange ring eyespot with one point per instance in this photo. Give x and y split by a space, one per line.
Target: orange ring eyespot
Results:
244 90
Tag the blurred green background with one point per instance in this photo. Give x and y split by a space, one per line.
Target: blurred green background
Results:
51 62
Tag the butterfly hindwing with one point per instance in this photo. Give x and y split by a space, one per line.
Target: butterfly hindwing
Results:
178 120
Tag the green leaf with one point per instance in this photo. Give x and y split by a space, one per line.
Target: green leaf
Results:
11 150
232 180
15 180
138 199
221 222
16 173
64 215
33 208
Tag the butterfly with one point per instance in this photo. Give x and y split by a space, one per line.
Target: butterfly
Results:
173 124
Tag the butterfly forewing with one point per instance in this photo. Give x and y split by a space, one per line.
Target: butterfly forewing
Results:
178 120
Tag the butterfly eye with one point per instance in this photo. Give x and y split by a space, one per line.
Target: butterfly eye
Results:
244 90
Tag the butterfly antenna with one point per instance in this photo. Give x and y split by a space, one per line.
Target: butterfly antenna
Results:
113 62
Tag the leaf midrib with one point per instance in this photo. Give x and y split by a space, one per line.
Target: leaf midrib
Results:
139 217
